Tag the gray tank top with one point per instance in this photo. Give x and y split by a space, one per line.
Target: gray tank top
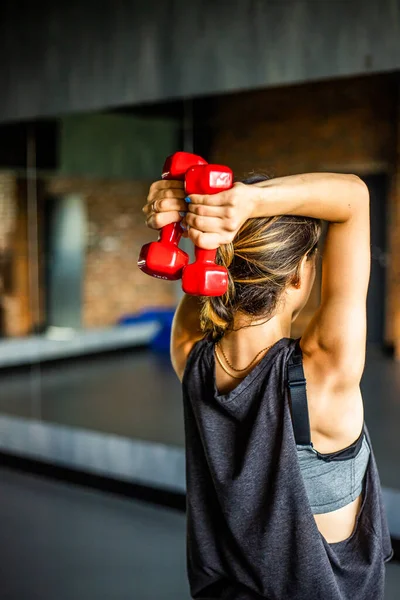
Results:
251 533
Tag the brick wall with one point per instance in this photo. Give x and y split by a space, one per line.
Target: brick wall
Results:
113 285
344 125
11 306
349 125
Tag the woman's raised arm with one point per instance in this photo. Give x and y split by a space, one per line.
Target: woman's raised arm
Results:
338 328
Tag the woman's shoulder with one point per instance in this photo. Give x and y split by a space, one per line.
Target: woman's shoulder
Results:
336 411
200 349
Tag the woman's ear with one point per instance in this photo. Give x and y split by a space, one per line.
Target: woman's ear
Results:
300 273
296 282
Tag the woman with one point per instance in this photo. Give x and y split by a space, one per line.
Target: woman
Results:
283 493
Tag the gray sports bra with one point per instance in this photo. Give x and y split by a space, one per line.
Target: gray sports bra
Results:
331 480
332 484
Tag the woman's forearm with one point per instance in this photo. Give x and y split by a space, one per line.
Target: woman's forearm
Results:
328 196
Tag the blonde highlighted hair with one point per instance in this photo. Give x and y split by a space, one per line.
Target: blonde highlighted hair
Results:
262 260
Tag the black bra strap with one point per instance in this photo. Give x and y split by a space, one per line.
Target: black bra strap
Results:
298 397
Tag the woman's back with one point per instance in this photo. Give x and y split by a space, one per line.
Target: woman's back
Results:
251 531
331 428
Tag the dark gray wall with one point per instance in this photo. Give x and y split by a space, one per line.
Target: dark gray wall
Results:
58 57
116 145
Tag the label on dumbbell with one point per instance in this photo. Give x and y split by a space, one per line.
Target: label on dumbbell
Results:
220 179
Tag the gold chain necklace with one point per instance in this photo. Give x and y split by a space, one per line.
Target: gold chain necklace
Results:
224 368
230 364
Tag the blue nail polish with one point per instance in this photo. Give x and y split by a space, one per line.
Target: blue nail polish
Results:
187 199
183 227
182 213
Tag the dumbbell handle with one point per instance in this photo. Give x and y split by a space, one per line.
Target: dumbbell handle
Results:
175 167
171 233
203 255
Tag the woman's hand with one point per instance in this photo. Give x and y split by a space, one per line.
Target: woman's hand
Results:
215 219
208 220
165 201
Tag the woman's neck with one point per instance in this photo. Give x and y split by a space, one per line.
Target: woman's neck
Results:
255 333
241 345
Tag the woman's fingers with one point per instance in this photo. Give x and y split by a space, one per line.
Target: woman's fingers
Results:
205 224
232 197
206 232
209 200
160 204
208 241
204 210
165 196
159 220
166 184
166 193
219 224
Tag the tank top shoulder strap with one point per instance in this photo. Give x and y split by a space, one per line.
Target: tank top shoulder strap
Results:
299 409
298 397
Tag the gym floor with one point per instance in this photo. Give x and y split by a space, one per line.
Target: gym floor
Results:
66 542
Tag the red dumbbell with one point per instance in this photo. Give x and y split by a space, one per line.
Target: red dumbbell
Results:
164 259
204 277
